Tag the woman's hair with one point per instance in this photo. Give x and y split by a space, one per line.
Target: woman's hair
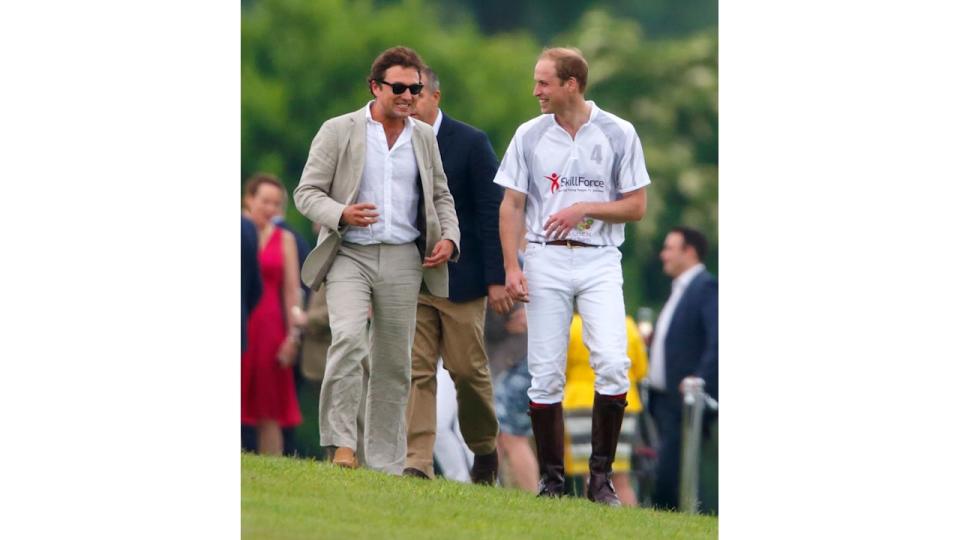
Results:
258 179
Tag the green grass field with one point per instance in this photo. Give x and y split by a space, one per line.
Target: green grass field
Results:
295 498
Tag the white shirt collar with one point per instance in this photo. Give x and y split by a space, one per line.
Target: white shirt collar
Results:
367 110
594 111
407 123
687 276
436 123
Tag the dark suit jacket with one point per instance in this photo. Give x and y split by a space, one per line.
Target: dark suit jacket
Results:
303 249
691 346
470 165
250 284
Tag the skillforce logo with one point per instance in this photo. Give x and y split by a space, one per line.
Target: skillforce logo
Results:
592 184
554 182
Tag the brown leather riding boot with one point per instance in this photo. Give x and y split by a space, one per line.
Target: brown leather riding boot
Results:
547 421
607 419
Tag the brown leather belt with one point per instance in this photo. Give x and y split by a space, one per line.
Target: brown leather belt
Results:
569 243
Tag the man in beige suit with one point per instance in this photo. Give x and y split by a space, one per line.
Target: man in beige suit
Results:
374 182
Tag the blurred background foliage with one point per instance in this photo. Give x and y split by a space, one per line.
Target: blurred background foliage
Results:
653 63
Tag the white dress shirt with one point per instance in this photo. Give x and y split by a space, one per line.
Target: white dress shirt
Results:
389 180
658 359
436 123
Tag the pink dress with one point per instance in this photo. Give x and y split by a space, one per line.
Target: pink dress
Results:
267 391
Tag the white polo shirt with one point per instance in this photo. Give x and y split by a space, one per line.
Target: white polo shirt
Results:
555 171
389 180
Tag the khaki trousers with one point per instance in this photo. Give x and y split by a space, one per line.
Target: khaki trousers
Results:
387 279
453 331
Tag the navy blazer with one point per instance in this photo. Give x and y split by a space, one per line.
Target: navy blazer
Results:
303 249
470 165
691 346
250 284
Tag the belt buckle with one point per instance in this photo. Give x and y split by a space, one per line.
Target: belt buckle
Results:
569 244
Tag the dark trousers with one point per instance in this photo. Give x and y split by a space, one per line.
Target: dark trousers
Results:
666 411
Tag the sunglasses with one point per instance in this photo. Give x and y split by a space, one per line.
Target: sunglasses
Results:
399 88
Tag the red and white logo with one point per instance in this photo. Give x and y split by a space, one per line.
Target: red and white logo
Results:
554 182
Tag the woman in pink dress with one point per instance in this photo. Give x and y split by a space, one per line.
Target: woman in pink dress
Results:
268 398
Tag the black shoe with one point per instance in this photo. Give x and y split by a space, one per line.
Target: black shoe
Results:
416 473
485 468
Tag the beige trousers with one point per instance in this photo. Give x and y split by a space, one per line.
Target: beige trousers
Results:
385 278
453 331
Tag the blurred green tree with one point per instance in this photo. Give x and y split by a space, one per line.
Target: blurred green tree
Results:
547 18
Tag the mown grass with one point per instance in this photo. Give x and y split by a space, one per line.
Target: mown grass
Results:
293 498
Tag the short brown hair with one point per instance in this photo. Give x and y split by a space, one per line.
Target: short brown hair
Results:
569 62
394 56
694 239
258 179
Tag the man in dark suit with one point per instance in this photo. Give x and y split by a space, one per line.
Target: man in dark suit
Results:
453 328
685 344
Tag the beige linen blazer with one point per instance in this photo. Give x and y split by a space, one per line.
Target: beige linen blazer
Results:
331 180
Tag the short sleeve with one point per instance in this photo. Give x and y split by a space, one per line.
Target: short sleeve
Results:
633 168
513 172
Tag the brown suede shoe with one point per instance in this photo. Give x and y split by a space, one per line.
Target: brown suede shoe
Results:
346 458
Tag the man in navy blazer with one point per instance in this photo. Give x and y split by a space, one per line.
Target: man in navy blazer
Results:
685 344
453 328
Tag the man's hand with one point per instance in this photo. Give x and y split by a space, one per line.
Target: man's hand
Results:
441 254
690 383
559 225
360 214
517 286
498 299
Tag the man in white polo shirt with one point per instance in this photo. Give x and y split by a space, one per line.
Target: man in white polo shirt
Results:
574 176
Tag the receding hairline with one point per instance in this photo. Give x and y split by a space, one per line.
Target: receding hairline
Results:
430 79
568 62
561 52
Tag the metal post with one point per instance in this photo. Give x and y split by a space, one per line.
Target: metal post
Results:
694 401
